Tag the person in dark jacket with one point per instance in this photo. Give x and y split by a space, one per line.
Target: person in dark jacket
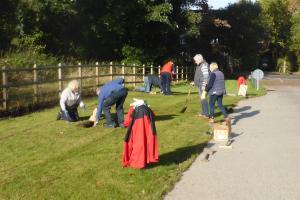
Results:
109 94
149 82
216 90
166 77
200 80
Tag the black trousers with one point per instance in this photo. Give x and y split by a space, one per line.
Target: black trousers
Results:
72 113
166 83
118 98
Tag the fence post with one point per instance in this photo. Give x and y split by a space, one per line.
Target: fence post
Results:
186 75
123 71
60 83
177 74
35 84
143 72
80 76
182 73
97 75
4 90
111 70
134 74
159 70
151 69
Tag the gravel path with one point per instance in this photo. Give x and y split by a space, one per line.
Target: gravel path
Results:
264 163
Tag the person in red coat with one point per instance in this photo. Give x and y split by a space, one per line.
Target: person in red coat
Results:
140 145
166 77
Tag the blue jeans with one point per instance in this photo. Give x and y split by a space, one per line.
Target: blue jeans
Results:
146 87
212 101
118 98
204 104
166 83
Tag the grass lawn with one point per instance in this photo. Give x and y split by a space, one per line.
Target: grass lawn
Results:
41 158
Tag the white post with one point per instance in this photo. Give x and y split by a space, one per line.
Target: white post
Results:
151 70
80 76
35 84
4 90
60 82
111 71
143 72
177 80
97 75
134 75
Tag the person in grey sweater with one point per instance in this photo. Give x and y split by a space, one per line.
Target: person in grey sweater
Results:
200 80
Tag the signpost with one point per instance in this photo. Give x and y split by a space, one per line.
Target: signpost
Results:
257 75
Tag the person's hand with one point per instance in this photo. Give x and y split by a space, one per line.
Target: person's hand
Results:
203 95
95 123
192 83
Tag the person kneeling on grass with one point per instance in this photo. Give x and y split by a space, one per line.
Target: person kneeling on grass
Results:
70 99
216 90
109 94
149 82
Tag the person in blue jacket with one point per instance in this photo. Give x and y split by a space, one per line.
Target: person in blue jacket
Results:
216 90
109 94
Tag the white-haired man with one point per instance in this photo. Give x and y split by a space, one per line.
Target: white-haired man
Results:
70 99
200 80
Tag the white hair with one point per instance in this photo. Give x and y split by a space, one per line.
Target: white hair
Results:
198 58
213 66
73 85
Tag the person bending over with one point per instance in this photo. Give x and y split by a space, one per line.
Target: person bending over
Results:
109 94
70 99
149 82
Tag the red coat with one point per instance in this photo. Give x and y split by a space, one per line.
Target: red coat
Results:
140 146
167 67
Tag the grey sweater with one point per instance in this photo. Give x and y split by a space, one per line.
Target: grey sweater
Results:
201 74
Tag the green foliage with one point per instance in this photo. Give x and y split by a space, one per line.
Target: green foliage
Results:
159 13
132 55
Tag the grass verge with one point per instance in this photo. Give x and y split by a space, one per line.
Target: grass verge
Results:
41 158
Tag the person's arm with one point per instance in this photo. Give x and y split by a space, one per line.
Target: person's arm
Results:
197 76
211 82
62 101
81 103
205 72
100 106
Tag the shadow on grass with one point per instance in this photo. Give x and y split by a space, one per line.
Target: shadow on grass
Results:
179 155
182 93
164 117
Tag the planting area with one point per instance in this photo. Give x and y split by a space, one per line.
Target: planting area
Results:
42 158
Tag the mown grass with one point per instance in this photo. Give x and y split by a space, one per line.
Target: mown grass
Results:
41 158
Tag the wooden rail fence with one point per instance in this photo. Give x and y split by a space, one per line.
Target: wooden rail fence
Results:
40 85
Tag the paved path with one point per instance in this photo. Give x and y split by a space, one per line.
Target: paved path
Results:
264 163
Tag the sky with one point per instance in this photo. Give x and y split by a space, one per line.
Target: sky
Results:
216 4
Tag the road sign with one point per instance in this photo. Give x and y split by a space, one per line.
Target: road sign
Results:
258 74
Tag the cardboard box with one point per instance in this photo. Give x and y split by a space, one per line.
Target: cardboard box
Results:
222 132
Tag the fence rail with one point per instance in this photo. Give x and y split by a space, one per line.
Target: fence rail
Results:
38 85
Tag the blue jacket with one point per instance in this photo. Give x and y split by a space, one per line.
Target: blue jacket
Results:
216 84
105 91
